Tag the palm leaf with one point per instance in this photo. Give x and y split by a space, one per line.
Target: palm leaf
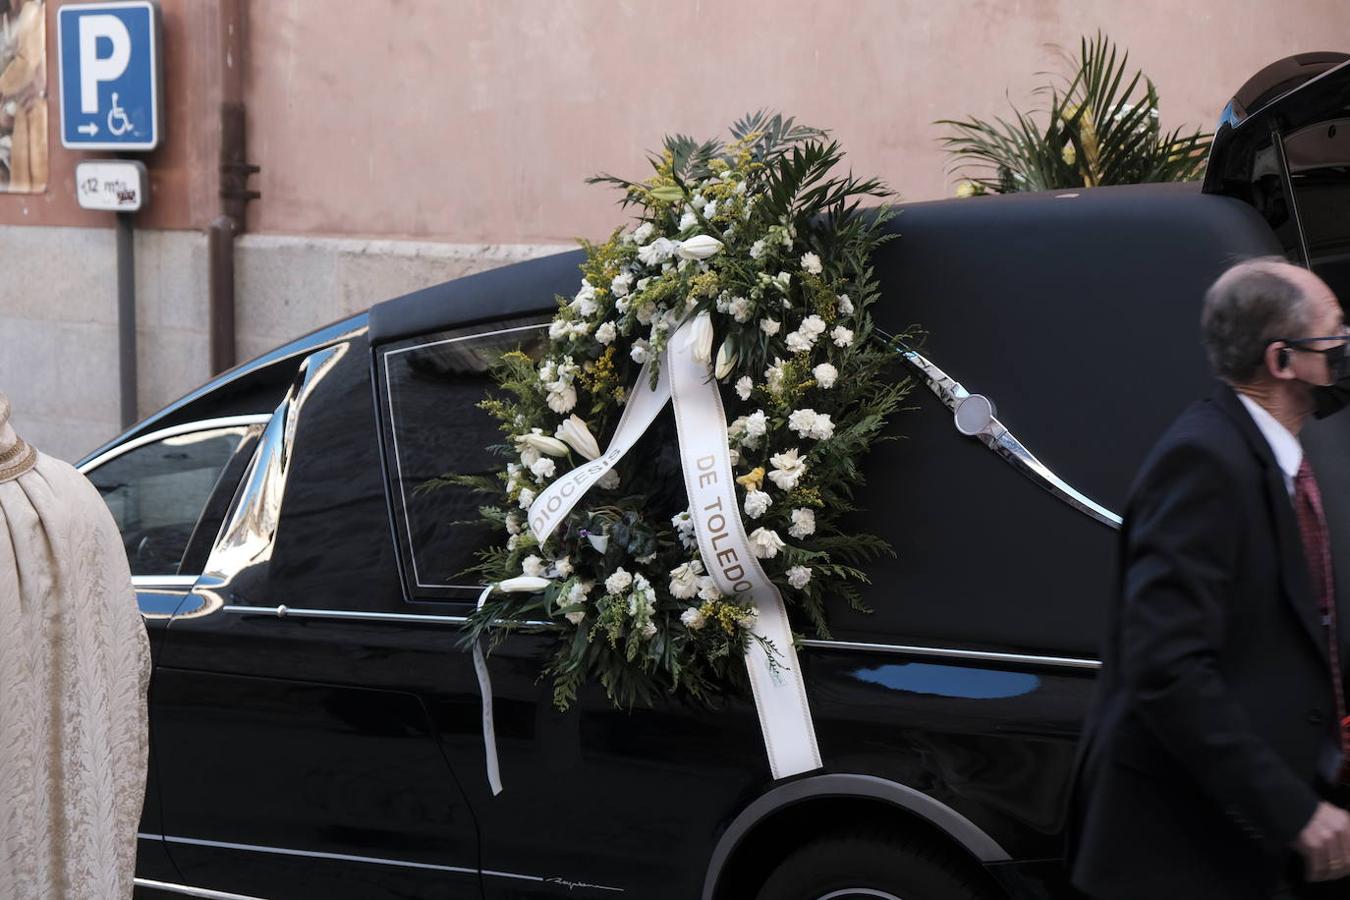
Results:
1099 125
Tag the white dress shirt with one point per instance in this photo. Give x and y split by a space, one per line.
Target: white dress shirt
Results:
1288 451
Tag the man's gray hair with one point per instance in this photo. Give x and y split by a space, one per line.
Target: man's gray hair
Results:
1247 307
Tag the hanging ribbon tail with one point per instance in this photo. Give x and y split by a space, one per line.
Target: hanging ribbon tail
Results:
557 500
494 774
777 682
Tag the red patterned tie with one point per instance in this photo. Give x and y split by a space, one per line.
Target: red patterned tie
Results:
1312 524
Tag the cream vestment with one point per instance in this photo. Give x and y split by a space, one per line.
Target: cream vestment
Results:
74 668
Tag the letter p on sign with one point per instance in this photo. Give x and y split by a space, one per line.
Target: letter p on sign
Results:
94 68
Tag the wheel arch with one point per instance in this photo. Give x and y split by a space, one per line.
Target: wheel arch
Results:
846 789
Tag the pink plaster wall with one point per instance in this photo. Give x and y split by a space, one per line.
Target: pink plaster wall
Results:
478 121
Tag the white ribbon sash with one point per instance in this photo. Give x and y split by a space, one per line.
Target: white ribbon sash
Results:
780 691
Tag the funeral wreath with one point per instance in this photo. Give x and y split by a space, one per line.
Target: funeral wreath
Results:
756 252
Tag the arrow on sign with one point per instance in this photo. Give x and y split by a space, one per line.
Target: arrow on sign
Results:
90 129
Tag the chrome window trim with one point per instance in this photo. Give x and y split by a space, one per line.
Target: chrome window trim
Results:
174 431
188 890
245 421
1061 662
346 857
338 332
247 536
393 435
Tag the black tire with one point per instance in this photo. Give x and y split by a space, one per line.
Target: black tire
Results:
869 866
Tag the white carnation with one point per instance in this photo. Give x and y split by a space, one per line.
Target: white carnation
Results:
532 566
756 424
765 543
618 582
643 232
688 220
825 375
841 336
543 468
798 576
803 523
757 249
608 481
648 630
744 386
693 618
607 332
684 580
812 326
757 503
798 342
657 252
513 525
621 284
811 263
526 498
640 351
563 567
740 309
769 326
788 468
561 397
845 305
707 589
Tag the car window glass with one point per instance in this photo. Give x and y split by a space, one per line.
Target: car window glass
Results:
432 390
157 492
1319 164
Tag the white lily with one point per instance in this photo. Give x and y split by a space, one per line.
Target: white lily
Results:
574 433
700 338
542 443
523 584
700 246
726 360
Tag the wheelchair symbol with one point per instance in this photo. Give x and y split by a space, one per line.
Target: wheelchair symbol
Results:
118 123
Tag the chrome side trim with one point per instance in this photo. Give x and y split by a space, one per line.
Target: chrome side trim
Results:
189 891
169 582
309 854
287 612
975 418
1064 662
393 431
186 428
345 857
958 827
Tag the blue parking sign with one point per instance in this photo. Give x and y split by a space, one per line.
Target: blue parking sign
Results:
109 66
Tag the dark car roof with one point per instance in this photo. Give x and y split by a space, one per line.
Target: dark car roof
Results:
506 292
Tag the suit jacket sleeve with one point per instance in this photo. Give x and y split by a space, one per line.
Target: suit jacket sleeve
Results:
1181 553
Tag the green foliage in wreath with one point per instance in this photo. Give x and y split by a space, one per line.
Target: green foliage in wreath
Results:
762 240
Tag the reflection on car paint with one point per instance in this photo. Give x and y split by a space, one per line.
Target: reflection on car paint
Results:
950 681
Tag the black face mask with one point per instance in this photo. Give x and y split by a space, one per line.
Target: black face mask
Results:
1329 399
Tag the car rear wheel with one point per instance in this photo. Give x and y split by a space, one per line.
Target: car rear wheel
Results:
875 866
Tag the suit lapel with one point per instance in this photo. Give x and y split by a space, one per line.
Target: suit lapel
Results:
1289 542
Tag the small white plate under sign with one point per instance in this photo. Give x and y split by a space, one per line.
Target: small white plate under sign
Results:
118 185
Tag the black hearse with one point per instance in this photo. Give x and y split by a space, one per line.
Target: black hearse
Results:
316 726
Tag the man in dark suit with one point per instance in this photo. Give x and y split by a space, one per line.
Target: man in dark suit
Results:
1216 736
